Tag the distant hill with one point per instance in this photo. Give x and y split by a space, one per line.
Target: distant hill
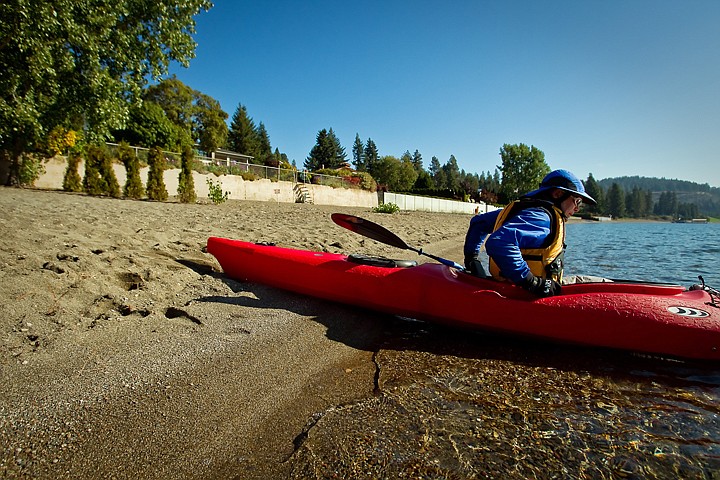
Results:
706 198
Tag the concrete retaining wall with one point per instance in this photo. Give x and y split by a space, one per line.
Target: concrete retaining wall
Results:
428 204
260 190
266 190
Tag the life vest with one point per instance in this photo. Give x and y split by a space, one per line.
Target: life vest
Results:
546 261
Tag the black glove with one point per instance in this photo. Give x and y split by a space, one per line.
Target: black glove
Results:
474 267
542 287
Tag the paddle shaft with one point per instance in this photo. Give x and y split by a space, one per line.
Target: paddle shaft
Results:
381 234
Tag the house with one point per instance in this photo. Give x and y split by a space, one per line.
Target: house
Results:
229 158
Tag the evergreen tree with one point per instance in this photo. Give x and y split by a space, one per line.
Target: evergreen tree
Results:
186 183
434 169
438 174
264 149
470 184
371 155
635 203
358 154
649 202
133 185
417 161
424 181
321 154
616 201
242 137
92 181
71 180
452 174
339 156
595 191
109 180
100 177
673 204
327 152
156 189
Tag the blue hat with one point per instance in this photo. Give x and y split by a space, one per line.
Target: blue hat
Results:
563 180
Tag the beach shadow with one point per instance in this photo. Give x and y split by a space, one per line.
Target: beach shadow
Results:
373 331
201 268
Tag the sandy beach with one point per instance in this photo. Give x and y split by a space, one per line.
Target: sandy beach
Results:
125 353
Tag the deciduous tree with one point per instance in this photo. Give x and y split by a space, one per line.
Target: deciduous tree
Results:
80 64
523 168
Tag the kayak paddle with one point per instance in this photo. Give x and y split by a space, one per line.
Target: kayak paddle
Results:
381 234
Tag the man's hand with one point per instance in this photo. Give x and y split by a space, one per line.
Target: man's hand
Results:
542 287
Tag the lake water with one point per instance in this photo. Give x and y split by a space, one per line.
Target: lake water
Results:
662 252
457 404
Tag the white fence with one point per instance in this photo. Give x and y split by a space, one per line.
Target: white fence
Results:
429 204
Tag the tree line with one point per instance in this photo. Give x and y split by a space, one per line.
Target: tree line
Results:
636 202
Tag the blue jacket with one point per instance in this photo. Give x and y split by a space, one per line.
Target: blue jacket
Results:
528 229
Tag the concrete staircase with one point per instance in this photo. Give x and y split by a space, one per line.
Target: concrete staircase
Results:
302 193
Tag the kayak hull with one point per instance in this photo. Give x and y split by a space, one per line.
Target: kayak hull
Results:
644 317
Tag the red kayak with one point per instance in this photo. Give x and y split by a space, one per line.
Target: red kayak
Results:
652 318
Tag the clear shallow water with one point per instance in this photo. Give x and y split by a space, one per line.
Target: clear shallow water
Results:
456 404
661 252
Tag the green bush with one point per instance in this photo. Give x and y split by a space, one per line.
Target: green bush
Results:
71 180
186 184
92 180
215 192
30 170
133 185
110 183
99 177
156 189
386 208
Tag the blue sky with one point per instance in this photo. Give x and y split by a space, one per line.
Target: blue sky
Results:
608 87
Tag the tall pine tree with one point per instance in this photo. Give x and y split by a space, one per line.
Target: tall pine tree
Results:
242 136
264 153
327 152
358 154
371 155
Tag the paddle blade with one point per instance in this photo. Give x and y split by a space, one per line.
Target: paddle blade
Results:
366 228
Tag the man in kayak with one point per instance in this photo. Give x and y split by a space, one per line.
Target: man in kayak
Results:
526 239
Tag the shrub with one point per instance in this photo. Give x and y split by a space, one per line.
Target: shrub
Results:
99 176
110 183
386 208
59 140
215 192
133 185
92 181
186 183
30 170
71 180
366 181
156 189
